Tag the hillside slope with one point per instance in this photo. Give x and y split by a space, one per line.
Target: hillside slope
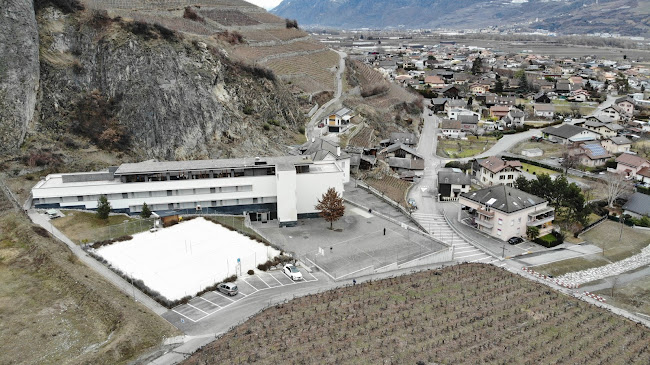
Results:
471 14
19 71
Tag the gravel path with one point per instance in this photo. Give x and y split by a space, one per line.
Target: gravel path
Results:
613 269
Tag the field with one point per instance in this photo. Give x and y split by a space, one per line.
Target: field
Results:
82 227
536 170
363 138
186 258
55 310
572 265
392 187
618 247
456 148
462 314
642 148
633 296
256 53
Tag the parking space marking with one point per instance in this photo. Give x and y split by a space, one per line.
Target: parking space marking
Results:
191 308
215 304
477 254
198 309
182 315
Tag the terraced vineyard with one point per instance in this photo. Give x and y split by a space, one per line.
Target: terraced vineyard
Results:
257 53
177 23
229 17
267 18
463 314
278 35
366 75
311 72
392 187
363 138
395 95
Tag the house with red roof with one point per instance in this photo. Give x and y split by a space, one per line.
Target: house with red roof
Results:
495 171
630 164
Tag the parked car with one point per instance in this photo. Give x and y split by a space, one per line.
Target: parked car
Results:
228 289
515 240
321 125
292 272
412 203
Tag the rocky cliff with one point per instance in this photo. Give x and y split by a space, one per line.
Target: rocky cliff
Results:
141 87
19 71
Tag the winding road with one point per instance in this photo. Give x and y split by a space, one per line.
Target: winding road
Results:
312 129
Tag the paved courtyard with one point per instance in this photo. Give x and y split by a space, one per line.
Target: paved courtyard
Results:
357 242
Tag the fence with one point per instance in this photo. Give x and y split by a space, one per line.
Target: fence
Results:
587 228
124 229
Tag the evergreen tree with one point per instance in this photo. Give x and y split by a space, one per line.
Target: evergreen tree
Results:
477 66
498 86
146 212
103 207
331 206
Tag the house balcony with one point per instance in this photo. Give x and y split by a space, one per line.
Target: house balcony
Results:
485 213
484 223
541 220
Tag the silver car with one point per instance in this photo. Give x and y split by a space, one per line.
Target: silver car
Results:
228 288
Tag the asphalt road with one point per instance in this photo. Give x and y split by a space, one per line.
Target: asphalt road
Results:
312 129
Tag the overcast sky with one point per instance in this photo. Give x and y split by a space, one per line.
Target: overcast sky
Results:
266 4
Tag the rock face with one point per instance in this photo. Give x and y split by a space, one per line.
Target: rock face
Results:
19 71
174 98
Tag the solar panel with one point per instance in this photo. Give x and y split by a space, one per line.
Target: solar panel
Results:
596 149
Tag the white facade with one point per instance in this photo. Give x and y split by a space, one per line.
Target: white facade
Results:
283 187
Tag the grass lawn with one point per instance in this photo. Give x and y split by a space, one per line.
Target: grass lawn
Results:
642 148
80 226
56 310
550 149
464 314
607 234
571 265
536 170
457 148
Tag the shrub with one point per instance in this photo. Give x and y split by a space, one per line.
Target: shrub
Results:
41 231
167 33
230 279
266 127
142 29
231 37
301 130
41 158
550 240
250 272
374 90
291 23
248 110
192 15
99 19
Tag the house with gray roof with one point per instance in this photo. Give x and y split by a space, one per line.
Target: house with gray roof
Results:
567 133
504 212
638 205
452 182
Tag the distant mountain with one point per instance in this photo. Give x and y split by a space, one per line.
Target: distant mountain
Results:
577 16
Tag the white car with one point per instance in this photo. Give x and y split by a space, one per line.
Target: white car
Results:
292 272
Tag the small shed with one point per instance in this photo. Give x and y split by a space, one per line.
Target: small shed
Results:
165 218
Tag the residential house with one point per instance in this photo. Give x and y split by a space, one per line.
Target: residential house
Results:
567 134
450 128
434 82
438 104
460 79
591 154
387 68
544 110
613 112
638 205
455 104
402 165
606 130
479 89
563 87
450 91
468 122
494 99
400 150
579 96
514 118
626 105
495 171
408 139
338 121
616 145
643 176
630 164
504 212
499 111
541 98
452 182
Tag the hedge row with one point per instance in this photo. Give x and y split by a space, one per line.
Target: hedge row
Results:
533 162
552 239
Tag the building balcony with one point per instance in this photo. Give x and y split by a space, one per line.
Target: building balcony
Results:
485 212
541 211
484 223
540 221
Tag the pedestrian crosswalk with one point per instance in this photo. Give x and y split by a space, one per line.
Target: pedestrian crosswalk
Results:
437 227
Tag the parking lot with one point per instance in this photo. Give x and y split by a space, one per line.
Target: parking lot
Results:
203 306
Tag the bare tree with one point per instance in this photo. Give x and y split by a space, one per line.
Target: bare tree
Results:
569 160
615 186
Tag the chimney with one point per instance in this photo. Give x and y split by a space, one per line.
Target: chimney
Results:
338 151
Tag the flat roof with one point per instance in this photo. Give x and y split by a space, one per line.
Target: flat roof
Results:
165 166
